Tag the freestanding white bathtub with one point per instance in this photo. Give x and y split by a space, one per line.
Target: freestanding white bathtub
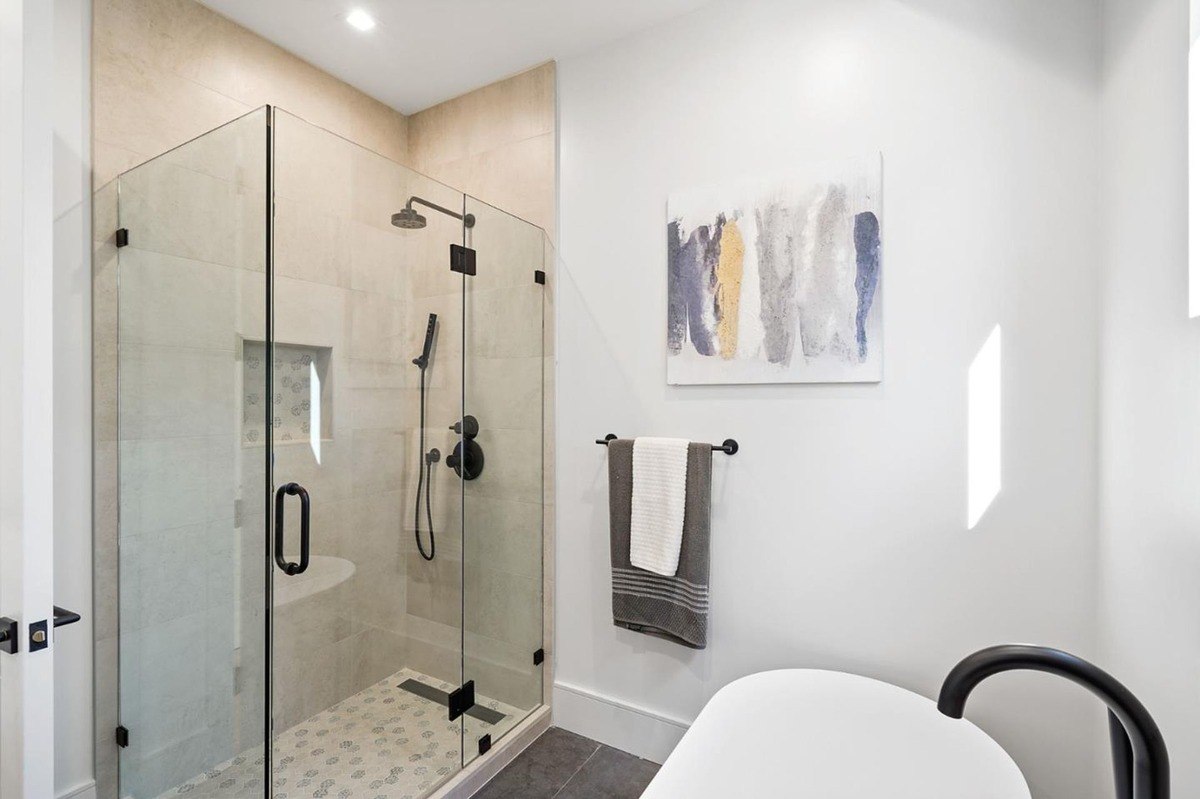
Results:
813 734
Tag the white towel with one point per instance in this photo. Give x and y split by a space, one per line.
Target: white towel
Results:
659 491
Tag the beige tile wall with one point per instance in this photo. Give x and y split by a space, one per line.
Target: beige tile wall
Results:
497 143
166 71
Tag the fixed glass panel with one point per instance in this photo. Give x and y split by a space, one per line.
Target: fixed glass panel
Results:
191 292
502 507
366 383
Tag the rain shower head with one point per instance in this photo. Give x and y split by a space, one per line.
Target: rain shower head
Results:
410 219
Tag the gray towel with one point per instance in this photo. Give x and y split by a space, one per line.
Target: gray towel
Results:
675 608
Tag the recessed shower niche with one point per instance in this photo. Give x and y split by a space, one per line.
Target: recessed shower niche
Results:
303 393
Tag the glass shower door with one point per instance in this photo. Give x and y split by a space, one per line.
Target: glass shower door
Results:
503 506
365 373
191 300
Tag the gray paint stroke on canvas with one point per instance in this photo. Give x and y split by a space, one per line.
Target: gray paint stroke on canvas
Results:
825 283
708 279
676 293
779 228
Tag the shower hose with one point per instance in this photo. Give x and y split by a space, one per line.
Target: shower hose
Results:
424 479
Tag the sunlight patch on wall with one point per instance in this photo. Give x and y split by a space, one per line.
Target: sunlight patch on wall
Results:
314 410
1194 165
983 429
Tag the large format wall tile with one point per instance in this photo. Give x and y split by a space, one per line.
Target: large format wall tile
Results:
506 535
380 259
506 393
169 392
176 302
311 166
168 482
510 110
177 211
310 244
515 311
513 177
166 71
146 110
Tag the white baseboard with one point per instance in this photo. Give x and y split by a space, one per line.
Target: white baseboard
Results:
636 730
85 791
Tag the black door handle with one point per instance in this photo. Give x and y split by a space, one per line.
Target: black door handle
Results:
10 629
63 617
9 632
292 488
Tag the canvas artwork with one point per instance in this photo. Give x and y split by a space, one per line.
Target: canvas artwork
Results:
777 282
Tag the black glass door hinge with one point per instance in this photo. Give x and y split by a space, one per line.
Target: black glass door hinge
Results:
462 259
539 656
462 699
539 277
122 737
485 743
122 237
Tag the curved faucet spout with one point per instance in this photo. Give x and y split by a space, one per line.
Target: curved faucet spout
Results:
1139 739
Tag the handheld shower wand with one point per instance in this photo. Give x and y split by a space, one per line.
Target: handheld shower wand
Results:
422 360
425 466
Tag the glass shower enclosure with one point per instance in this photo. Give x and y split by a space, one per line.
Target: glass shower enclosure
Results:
330 491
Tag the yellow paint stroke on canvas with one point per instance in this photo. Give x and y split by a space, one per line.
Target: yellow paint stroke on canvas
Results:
729 287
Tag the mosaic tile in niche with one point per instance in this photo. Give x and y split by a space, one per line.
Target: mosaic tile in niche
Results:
301 395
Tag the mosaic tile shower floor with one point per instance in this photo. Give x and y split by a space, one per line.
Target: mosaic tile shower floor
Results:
382 743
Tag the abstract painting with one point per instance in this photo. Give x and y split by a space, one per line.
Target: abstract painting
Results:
777 282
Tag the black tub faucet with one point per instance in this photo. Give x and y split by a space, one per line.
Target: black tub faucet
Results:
1140 765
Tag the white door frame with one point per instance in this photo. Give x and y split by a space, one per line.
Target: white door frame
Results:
26 392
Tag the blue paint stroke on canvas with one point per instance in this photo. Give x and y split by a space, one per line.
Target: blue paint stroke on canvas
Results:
866 249
693 288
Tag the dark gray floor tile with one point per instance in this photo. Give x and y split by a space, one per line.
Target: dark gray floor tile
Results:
610 774
543 769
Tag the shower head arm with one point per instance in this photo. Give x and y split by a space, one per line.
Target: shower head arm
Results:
467 219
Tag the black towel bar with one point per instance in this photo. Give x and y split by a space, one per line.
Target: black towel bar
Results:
728 446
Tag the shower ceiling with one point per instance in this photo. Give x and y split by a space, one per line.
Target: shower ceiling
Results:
421 52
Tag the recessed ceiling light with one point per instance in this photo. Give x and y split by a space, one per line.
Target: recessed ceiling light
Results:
360 19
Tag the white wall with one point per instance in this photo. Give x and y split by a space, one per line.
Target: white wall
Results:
1150 377
26 379
839 535
72 395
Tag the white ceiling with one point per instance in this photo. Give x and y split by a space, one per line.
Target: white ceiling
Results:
425 51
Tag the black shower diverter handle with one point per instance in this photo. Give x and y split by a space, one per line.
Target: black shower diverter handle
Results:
467 428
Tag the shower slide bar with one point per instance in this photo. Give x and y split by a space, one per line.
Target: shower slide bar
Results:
728 446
